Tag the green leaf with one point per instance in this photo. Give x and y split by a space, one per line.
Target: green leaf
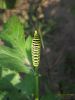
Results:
2 95
28 59
12 95
13 55
11 59
15 96
6 83
16 77
13 34
27 85
8 88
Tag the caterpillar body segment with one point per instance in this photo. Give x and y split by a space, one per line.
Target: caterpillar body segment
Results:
36 46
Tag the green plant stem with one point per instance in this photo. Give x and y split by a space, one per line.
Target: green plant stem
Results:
37 84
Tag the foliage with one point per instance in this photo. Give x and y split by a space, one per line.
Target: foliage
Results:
14 49
16 71
14 57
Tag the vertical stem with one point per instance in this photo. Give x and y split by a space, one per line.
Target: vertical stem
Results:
37 85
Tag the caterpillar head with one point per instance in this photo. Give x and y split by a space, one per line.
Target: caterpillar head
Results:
36 33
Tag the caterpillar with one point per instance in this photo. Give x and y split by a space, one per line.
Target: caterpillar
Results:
36 46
